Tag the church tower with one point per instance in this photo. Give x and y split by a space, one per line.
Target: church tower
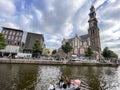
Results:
93 30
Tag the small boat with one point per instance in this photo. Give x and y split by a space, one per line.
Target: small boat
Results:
75 85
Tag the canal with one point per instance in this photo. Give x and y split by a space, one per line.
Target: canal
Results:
38 77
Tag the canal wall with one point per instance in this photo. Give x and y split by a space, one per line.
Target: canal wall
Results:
49 62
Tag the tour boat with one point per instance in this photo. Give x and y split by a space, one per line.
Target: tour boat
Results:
74 84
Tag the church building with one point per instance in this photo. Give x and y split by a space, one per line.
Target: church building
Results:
92 39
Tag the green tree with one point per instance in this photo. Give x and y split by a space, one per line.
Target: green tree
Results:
2 41
54 51
67 48
114 55
109 54
89 52
106 52
37 49
47 51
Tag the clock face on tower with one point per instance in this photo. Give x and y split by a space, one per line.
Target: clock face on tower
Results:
91 24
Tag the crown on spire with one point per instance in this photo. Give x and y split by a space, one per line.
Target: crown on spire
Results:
92 9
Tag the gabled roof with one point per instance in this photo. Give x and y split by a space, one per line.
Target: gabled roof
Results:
84 37
70 39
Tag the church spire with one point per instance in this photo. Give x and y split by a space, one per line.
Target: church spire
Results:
93 30
92 14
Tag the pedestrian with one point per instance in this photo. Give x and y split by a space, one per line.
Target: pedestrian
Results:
68 82
52 85
61 79
65 82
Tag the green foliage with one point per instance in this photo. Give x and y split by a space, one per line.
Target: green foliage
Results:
89 52
47 51
67 47
109 54
54 51
37 48
2 42
106 53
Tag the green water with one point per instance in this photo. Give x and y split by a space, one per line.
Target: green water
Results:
37 77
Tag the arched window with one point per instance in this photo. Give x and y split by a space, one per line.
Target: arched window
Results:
85 44
81 51
75 41
75 51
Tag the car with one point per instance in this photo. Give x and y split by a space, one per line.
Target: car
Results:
75 59
82 58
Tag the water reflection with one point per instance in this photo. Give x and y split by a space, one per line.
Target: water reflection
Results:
46 75
36 77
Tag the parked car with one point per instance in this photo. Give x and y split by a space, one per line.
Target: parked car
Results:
75 59
82 58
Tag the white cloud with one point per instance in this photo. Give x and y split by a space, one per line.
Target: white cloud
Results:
112 1
7 8
99 2
109 21
67 29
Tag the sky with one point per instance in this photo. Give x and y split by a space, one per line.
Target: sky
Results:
58 19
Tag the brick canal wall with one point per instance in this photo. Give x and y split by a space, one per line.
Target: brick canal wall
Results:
48 62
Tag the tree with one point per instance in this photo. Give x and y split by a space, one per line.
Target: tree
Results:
54 51
89 52
2 41
114 55
47 51
37 49
109 54
106 53
67 48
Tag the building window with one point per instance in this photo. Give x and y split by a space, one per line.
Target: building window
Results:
75 51
20 34
12 38
9 37
6 32
80 43
20 38
85 44
17 34
16 38
13 33
10 33
81 51
75 41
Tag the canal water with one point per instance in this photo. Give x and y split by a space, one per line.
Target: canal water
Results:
38 77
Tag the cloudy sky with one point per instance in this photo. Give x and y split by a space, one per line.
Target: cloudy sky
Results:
57 19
